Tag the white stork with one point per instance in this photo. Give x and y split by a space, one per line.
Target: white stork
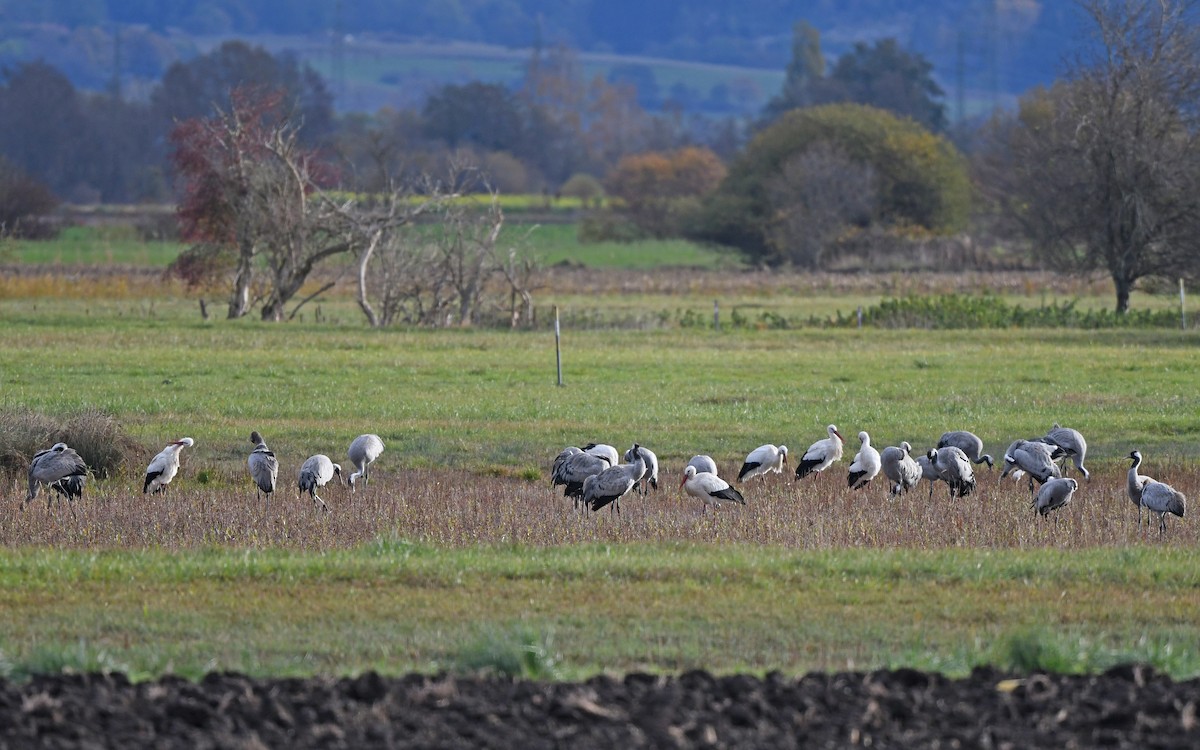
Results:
264 468
610 485
51 466
363 451
704 464
763 459
967 442
604 451
821 454
164 466
1033 458
1054 494
709 487
866 464
899 467
317 471
651 466
1070 444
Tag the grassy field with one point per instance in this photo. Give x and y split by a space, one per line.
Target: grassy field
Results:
460 555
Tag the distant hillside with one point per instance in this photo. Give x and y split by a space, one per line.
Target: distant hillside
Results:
985 51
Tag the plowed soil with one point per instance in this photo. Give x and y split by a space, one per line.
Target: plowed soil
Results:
1126 707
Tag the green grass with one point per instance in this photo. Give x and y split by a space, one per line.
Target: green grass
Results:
575 611
92 246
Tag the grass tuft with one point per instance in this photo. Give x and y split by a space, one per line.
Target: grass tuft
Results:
520 653
97 437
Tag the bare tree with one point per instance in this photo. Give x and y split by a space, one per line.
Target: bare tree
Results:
1103 169
815 196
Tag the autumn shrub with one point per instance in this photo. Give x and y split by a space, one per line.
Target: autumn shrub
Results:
96 436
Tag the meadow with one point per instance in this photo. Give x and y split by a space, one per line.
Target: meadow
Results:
459 555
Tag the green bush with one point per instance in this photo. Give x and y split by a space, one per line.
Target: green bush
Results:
988 311
97 437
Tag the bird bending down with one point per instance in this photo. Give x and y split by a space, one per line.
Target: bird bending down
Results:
651 467
51 466
866 464
610 485
264 468
604 451
363 451
1033 458
821 454
763 459
954 468
574 469
316 472
164 466
704 464
709 487
898 466
967 442
1069 444
1155 496
1053 495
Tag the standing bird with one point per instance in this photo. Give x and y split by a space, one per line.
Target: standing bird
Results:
866 464
559 460
709 487
954 468
264 468
363 450
164 466
1134 483
821 454
574 471
899 467
651 466
51 466
610 485
1070 444
316 472
1054 494
1033 458
967 442
1155 496
763 459
704 464
929 470
604 451
70 487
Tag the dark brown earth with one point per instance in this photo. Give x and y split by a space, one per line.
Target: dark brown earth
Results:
1126 707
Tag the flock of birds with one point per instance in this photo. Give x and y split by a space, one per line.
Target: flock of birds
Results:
61 469
594 477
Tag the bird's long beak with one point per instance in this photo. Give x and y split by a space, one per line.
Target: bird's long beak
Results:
683 481
835 432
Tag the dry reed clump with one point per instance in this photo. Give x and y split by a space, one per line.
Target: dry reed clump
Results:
456 509
97 437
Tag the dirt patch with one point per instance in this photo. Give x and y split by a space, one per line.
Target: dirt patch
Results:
1126 707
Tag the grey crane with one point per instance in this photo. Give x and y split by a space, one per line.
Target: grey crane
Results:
163 467
70 487
967 442
1134 483
1033 458
651 466
605 451
929 470
1054 494
704 464
317 471
574 469
1156 496
1070 444
709 488
363 451
898 466
610 485
866 464
264 468
763 459
954 468
559 460
51 466
821 454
